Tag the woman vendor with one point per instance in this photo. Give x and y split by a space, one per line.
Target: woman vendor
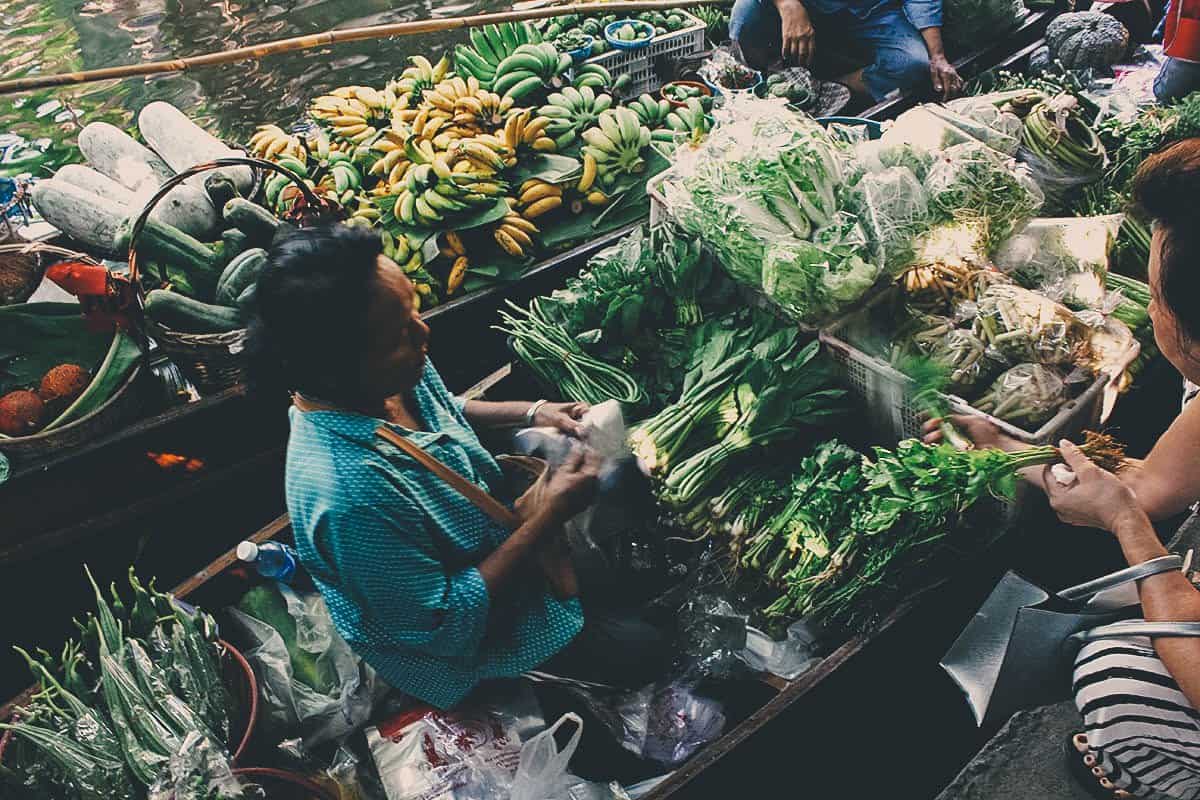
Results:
1139 697
424 585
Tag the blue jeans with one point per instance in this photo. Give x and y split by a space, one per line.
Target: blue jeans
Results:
1176 80
897 53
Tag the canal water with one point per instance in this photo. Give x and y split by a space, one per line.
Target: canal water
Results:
51 36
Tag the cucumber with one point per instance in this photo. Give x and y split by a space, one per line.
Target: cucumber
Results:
239 274
184 144
220 189
116 155
245 301
183 314
165 244
85 216
256 222
235 242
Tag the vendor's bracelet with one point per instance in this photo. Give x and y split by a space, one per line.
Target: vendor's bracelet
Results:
533 410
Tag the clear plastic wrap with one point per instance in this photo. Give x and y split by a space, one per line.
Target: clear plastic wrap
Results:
1026 326
895 207
934 128
971 181
971 363
667 724
723 69
1065 259
788 658
200 770
290 705
1026 395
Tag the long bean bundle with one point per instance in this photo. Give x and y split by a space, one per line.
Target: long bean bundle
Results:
559 361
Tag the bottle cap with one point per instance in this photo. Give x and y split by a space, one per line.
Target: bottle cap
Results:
247 551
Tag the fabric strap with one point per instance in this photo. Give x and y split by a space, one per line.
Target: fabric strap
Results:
555 561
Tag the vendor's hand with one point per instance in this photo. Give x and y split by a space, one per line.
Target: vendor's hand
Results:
572 485
982 432
1091 498
945 78
562 416
797 34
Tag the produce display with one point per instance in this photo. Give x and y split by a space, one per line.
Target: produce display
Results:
565 30
135 707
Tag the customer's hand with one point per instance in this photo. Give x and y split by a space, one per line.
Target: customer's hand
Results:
980 431
562 416
945 78
799 38
572 485
1092 497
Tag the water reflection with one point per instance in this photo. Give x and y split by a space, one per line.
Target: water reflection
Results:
50 36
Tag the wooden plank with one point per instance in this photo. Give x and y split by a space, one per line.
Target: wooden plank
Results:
484 386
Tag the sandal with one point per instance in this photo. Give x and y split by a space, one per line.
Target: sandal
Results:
1089 776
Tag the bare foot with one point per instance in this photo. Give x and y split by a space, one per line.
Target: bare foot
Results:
1080 743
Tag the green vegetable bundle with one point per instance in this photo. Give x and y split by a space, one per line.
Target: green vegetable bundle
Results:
858 532
118 705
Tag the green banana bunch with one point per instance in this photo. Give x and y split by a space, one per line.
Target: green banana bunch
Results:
571 111
278 181
653 113
530 68
490 45
416 79
343 176
429 194
616 143
690 119
597 77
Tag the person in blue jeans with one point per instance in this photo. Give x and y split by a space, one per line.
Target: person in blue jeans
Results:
1178 77
902 39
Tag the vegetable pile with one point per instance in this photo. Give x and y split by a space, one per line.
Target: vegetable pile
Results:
554 28
141 687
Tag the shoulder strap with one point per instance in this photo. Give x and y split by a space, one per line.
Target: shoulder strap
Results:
479 498
1139 627
1154 566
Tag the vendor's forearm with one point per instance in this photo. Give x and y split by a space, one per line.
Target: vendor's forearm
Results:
933 41
780 5
486 414
516 554
1169 597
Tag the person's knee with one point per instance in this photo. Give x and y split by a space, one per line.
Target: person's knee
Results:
754 30
904 67
1176 80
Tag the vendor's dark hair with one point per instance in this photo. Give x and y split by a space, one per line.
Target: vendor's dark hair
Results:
1167 190
309 322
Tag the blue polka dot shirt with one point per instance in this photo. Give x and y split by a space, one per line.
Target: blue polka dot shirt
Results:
393 550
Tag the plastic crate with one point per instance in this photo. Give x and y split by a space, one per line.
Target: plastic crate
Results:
639 63
658 203
888 399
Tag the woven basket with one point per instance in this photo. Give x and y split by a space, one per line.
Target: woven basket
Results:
124 406
212 361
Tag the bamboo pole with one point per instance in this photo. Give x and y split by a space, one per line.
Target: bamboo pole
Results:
336 37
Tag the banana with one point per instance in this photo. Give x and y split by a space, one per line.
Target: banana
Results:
482 47
544 144
516 234
533 130
407 207
458 273
455 243
426 212
507 243
508 80
600 141
597 198
589 173
526 86
521 60
543 206
441 203
610 127
539 192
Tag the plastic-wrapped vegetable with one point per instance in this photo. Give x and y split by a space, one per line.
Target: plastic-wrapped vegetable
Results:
933 127
971 363
1026 395
1063 258
1025 326
973 181
895 207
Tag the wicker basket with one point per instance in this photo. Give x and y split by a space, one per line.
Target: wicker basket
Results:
124 406
212 361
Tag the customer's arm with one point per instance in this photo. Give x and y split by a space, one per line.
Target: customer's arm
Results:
1167 482
926 16
796 32
564 416
1099 499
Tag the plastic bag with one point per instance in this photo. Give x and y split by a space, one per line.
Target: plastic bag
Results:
895 208
1065 259
200 770
972 364
711 635
667 724
971 181
468 753
789 658
544 770
724 70
935 128
291 704
1025 326
1026 395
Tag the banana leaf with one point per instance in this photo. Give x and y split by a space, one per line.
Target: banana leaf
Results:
549 167
35 337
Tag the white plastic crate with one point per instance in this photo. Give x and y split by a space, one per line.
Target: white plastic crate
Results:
658 203
886 393
639 63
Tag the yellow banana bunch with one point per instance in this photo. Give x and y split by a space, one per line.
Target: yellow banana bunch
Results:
523 131
515 235
538 197
271 142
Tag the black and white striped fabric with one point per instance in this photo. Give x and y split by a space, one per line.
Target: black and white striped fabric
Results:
1138 723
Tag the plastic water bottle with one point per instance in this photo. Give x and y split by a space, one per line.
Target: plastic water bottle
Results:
272 559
